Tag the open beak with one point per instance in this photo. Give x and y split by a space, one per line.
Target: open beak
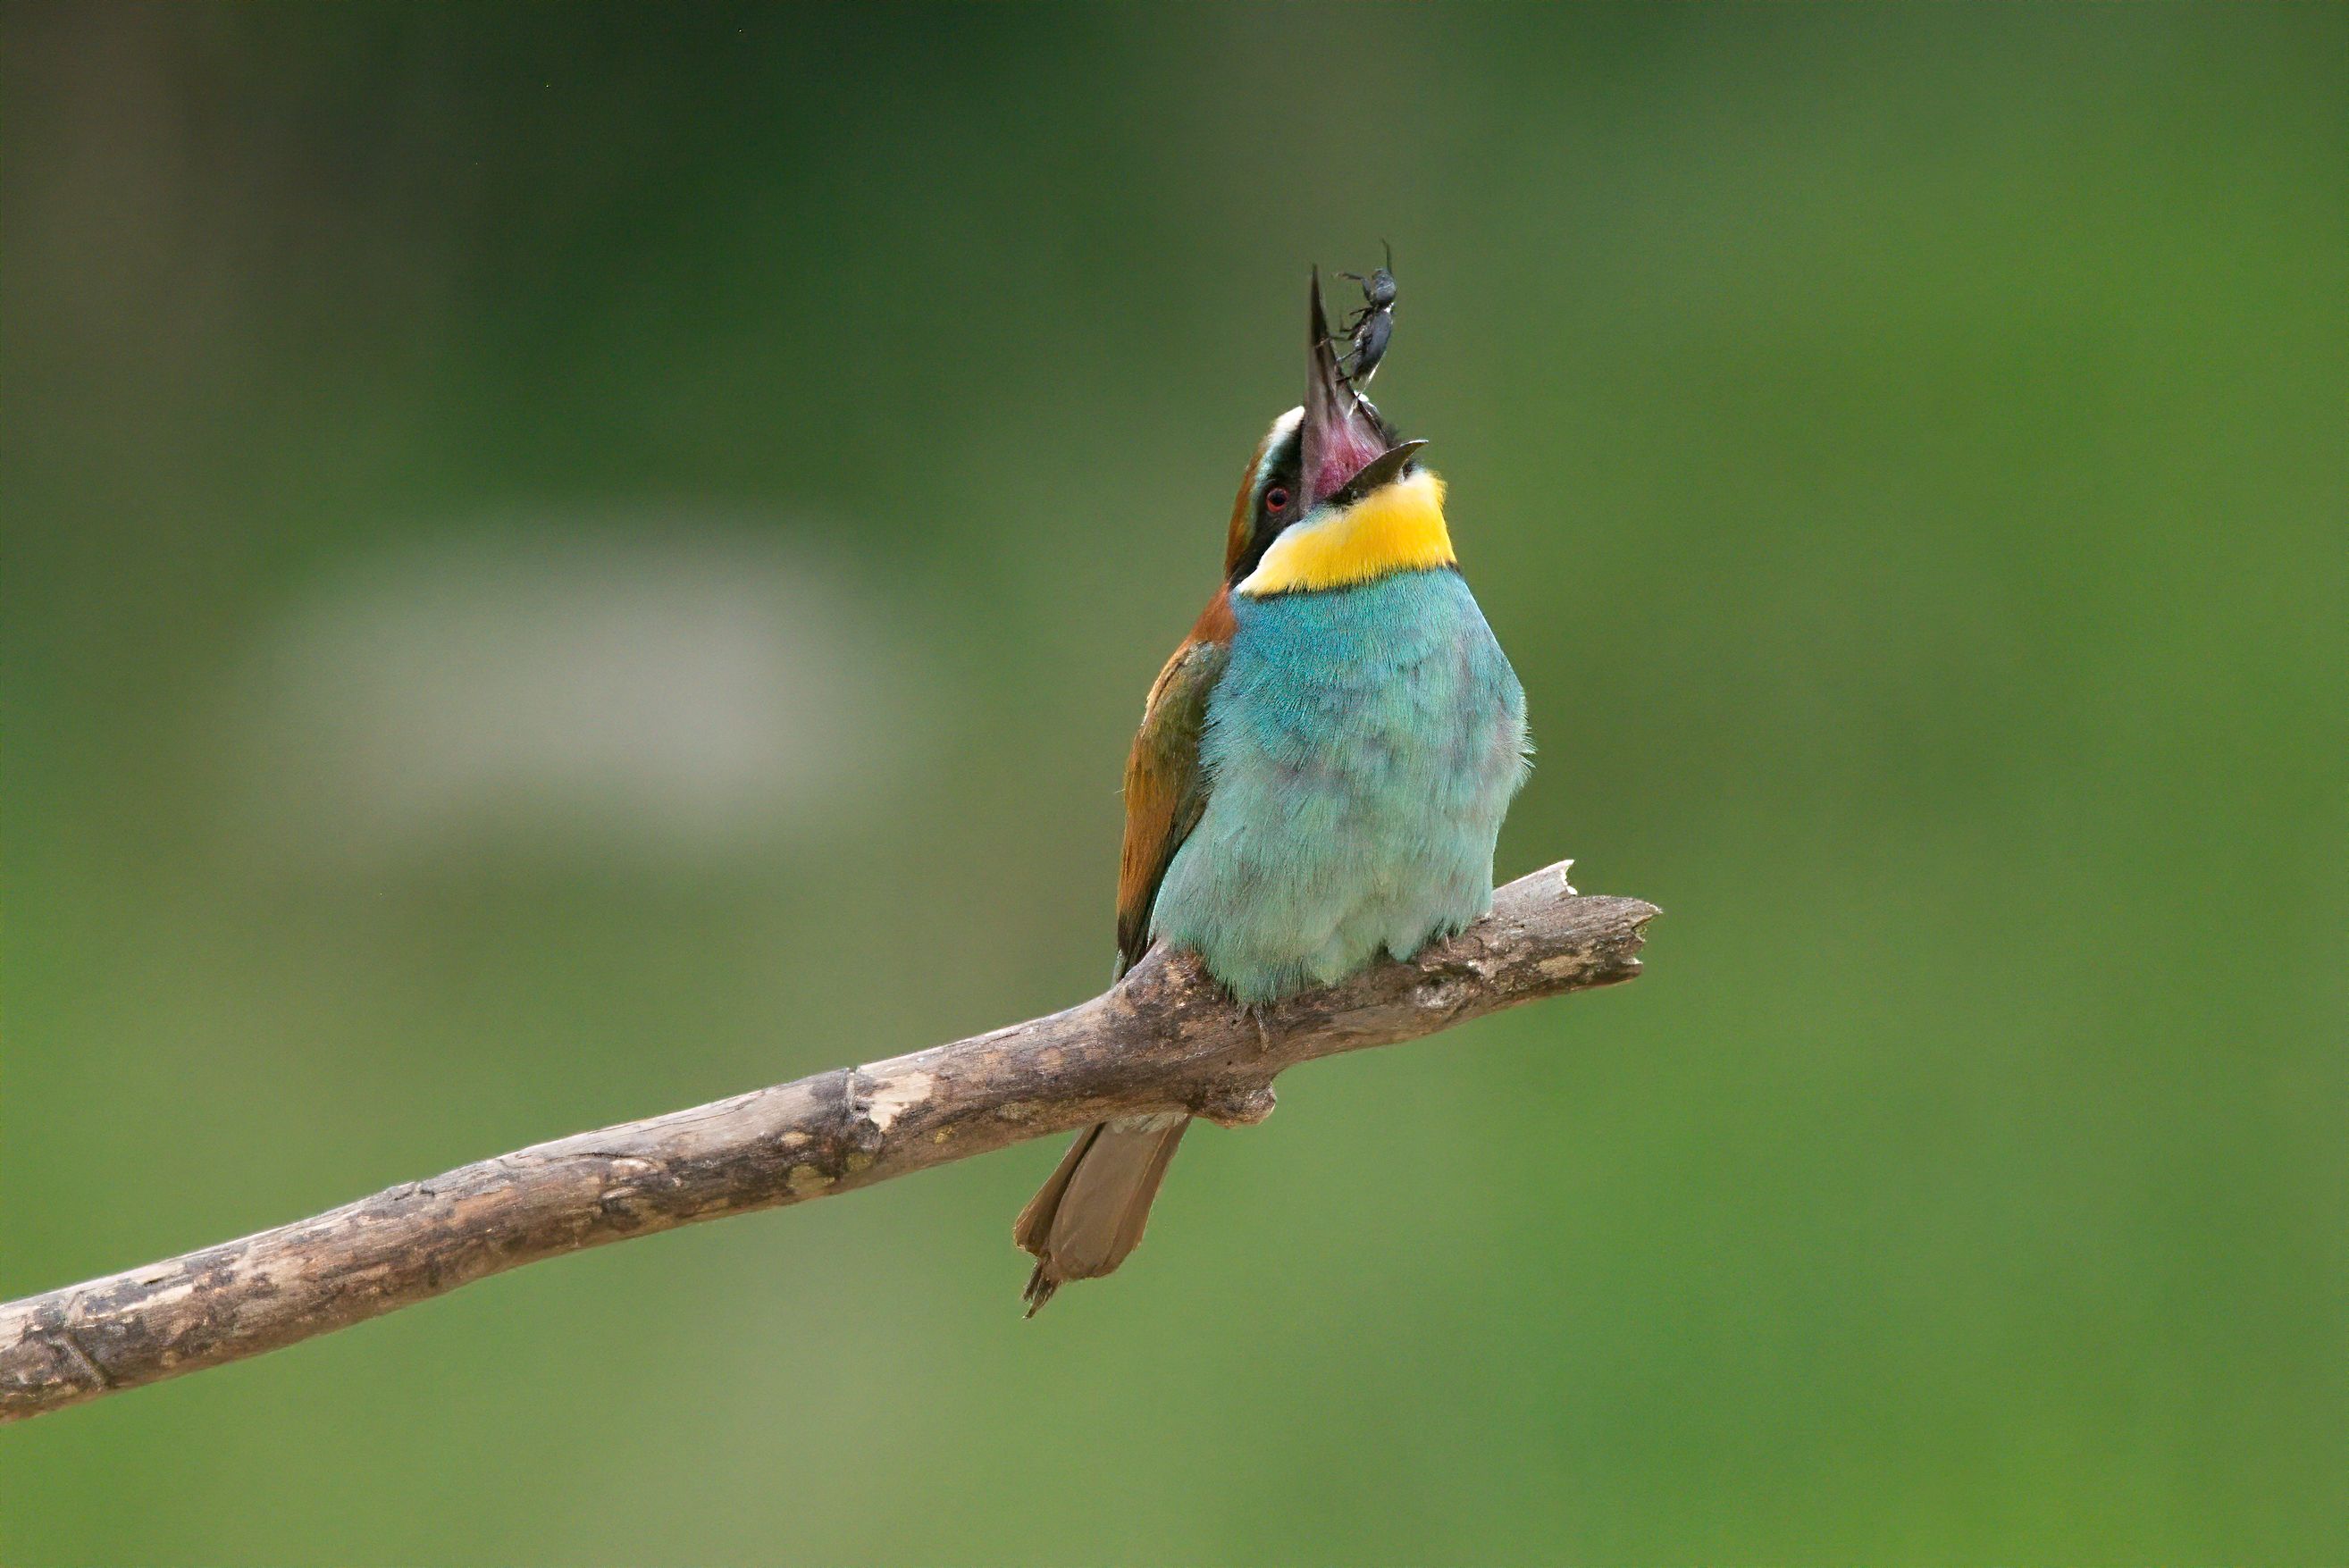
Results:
1343 438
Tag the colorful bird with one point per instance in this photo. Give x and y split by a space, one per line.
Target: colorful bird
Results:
1321 770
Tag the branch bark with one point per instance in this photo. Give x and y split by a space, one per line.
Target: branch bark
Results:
1163 1039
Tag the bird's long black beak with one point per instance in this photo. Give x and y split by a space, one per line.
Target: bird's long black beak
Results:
1383 469
1344 436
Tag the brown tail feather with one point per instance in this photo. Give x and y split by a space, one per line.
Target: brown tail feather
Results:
1082 1221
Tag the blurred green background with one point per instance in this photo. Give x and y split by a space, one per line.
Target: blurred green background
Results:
566 563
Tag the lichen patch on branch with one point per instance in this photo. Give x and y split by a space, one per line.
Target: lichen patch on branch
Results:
892 1098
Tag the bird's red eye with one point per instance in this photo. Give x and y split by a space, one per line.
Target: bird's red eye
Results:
1275 498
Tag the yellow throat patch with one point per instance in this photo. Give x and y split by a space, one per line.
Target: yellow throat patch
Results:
1395 528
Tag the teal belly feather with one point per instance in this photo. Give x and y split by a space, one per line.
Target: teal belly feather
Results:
1359 752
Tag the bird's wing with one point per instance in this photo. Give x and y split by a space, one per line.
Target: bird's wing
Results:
1165 788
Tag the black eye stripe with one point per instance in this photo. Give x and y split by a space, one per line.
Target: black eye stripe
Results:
1275 505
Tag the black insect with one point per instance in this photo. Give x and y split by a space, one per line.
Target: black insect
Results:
1372 324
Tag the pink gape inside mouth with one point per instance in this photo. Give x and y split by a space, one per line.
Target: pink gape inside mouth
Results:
1346 451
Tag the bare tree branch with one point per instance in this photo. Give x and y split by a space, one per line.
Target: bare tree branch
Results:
1163 1038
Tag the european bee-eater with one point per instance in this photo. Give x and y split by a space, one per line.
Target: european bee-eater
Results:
1321 770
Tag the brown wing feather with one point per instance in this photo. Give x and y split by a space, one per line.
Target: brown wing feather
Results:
1165 788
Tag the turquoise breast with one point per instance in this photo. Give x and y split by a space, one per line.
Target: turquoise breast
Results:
1360 750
